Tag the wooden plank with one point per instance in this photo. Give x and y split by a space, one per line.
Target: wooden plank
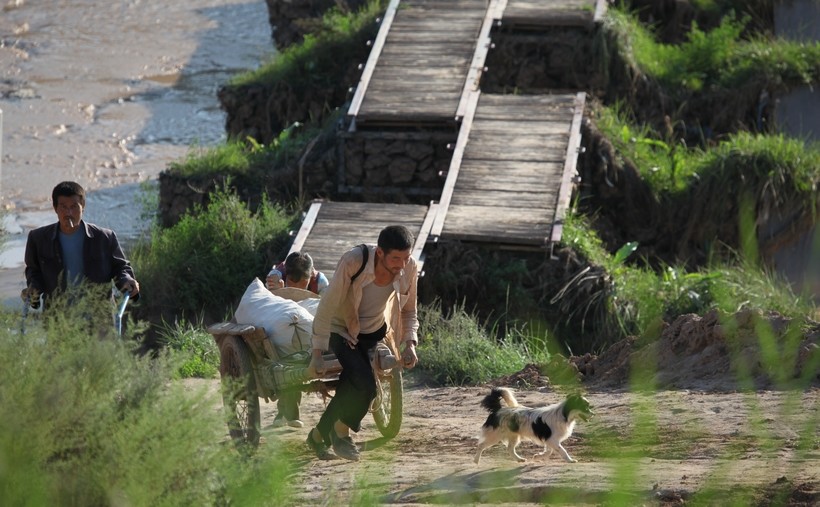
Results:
488 101
340 226
372 59
543 199
505 168
458 29
497 8
430 76
600 11
497 225
452 15
555 4
305 228
443 38
437 30
527 112
555 13
553 151
430 106
412 85
455 163
423 234
521 139
356 211
482 46
504 181
499 218
571 158
506 127
461 49
421 60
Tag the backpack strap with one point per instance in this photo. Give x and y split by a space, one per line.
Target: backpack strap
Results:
365 255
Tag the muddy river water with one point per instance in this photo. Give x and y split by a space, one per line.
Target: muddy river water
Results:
107 94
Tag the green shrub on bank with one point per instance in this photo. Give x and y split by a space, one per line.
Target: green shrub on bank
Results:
456 350
204 263
245 160
637 299
322 58
194 347
720 59
86 422
774 168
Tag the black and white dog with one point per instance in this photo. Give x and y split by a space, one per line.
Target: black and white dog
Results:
512 423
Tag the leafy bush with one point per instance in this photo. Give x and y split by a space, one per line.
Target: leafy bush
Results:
455 350
202 265
88 423
199 355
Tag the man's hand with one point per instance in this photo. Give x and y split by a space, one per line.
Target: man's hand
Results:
409 357
316 368
132 286
30 296
273 282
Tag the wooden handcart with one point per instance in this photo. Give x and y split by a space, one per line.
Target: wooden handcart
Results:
251 368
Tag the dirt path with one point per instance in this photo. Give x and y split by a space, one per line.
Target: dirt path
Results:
653 449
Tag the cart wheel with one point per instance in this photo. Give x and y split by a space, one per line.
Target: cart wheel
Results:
239 394
387 409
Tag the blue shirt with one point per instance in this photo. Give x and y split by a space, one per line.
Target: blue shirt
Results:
72 247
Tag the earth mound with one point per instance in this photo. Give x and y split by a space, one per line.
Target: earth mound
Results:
714 352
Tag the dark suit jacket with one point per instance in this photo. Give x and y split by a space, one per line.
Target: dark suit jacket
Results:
103 258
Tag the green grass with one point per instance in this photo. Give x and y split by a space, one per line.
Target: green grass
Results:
456 350
722 58
774 167
322 56
245 160
194 349
637 298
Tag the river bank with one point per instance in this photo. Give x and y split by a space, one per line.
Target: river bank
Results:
108 96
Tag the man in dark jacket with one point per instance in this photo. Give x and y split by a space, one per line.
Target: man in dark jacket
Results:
71 251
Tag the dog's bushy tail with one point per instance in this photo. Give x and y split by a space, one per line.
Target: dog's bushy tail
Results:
492 402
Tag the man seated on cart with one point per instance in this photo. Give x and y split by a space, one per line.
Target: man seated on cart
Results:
296 271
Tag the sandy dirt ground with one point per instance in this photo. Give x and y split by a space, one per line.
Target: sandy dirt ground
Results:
687 432
660 448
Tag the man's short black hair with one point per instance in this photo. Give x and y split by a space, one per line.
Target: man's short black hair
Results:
395 237
68 189
298 266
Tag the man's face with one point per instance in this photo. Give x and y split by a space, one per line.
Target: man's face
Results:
69 212
394 260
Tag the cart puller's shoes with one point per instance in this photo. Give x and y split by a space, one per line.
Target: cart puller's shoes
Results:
280 421
344 447
317 447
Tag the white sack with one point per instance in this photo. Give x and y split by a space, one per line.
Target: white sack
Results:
287 325
310 304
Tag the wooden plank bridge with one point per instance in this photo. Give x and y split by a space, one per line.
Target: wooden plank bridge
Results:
511 175
332 228
510 178
541 13
423 60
